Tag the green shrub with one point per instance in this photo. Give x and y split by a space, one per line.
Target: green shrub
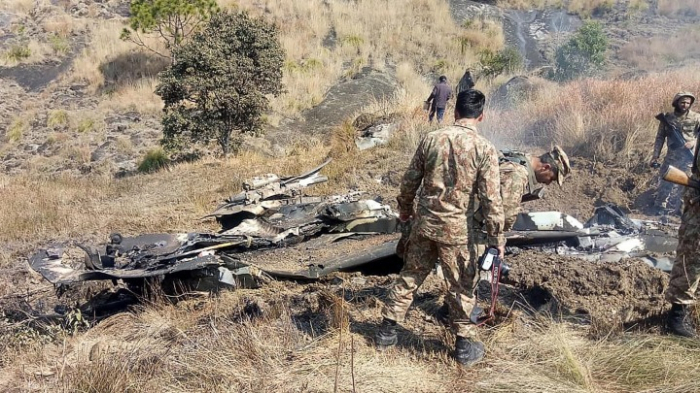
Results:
506 60
57 118
18 52
86 125
60 45
16 130
154 160
583 55
219 86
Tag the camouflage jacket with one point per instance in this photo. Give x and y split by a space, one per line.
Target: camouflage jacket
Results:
689 123
454 165
516 180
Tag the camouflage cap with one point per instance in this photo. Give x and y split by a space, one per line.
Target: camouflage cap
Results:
561 162
681 95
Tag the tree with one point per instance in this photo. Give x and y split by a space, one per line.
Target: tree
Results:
583 54
174 21
218 85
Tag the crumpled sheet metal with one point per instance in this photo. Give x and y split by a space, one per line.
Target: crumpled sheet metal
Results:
607 237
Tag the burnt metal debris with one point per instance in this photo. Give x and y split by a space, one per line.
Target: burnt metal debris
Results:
274 215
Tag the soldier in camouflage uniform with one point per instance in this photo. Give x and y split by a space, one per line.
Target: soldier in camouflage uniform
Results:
452 166
679 154
682 290
522 177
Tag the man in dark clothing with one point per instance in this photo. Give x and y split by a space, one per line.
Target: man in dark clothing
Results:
442 92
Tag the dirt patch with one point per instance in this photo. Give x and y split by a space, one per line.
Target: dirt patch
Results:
593 184
610 294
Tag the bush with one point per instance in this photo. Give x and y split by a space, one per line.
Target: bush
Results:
86 125
154 160
57 118
505 61
16 130
583 54
60 45
219 84
18 52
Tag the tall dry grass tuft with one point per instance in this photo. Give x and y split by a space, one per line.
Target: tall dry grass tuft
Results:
544 355
601 119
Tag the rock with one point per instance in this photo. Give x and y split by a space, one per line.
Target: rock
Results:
513 91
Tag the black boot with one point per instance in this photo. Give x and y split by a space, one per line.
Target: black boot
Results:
468 352
679 322
386 335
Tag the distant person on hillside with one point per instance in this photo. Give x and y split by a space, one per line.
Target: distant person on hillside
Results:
452 166
679 130
442 92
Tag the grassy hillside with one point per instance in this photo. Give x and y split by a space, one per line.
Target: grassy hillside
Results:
309 338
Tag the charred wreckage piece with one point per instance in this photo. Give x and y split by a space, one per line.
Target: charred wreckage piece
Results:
273 215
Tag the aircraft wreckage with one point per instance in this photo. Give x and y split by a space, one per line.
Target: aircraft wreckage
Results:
272 229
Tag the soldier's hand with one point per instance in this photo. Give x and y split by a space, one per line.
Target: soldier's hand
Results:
501 251
689 144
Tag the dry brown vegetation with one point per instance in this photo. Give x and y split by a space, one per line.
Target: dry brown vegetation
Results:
600 119
418 34
210 344
657 52
679 8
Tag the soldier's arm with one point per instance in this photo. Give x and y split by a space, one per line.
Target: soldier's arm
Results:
513 187
489 189
660 140
412 180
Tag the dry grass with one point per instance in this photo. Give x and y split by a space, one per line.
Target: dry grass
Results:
588 8
116 67
22 7
606 120
309 339
26 52
657 52
61 25
676 8
367 32
136 96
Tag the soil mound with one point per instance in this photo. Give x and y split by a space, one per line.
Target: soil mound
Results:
628 291
593 184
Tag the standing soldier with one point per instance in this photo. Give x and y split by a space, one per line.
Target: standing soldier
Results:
679 129
521 178
452 166
442 92
682 291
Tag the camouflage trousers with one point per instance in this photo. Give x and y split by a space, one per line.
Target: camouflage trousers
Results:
685 275
458 268
668 195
